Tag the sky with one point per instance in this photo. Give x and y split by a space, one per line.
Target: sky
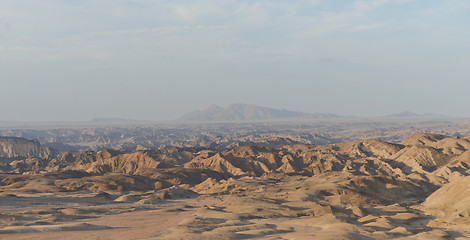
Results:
66 60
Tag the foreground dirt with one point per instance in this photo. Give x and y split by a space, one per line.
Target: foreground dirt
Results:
140 224
287 207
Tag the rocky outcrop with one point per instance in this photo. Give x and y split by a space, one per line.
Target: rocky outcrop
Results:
18 148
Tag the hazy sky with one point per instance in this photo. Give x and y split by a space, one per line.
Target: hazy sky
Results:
156 60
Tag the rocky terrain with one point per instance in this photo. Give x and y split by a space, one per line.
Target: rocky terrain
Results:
139 137
366 189
131 136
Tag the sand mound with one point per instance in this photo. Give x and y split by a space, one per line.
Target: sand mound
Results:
174 192
52 228
453 199
82 211
127 198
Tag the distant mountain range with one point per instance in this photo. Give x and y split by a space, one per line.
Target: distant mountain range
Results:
112 120
408 114
248 112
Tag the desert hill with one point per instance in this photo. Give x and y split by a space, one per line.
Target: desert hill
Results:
419 153
364 189
247 112
453 199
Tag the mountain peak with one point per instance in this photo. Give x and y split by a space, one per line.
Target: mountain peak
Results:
247 112
214 107
409 114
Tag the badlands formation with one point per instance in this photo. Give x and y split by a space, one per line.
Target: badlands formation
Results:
368 189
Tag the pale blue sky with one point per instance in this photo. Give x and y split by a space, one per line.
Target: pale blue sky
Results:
155 60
